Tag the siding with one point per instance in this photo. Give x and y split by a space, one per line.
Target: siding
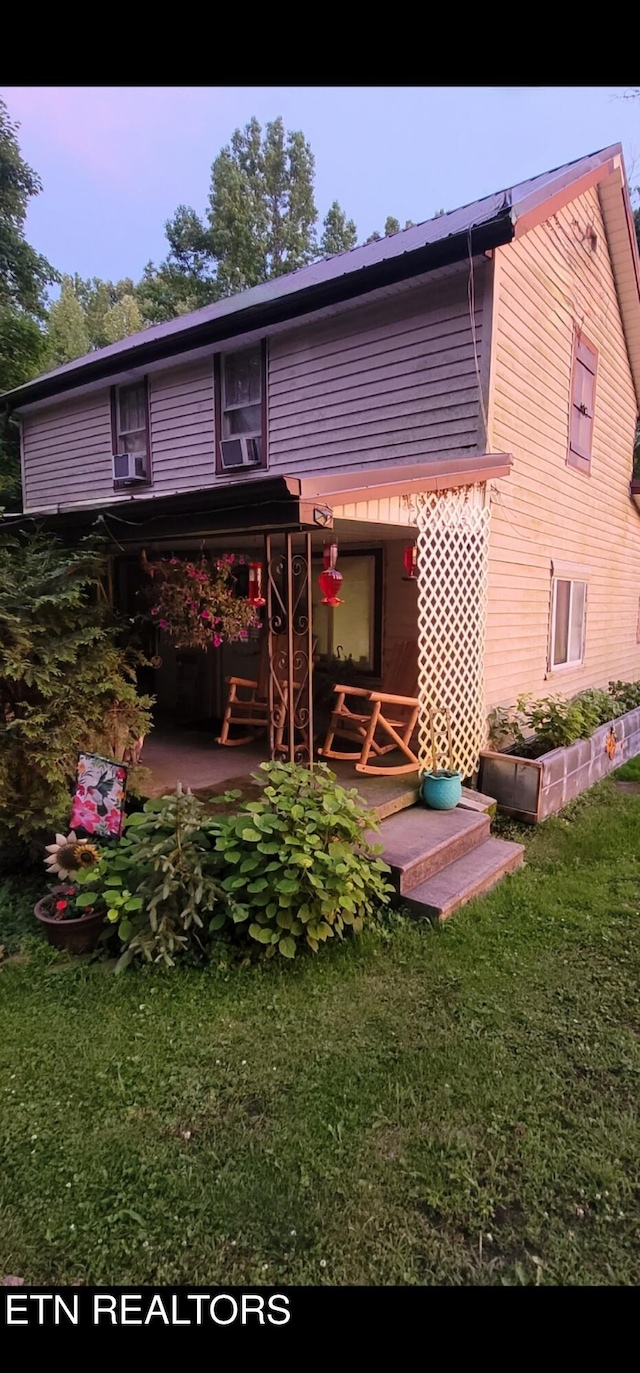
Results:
182 428
67 453
547 282
394 381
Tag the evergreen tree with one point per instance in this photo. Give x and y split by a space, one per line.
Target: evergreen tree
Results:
65 683
122 319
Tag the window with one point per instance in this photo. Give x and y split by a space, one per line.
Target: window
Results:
583 391
240 412
354 629
130 431
568 617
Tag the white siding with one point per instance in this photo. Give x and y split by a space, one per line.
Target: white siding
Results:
182 428
67 453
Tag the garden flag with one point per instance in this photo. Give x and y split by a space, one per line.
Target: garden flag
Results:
98 802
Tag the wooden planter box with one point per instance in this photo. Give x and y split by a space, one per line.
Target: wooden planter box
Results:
531 789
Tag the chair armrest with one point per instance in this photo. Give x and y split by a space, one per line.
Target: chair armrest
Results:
393 700
353 691
241 681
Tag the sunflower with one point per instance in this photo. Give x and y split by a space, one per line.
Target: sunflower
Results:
70 853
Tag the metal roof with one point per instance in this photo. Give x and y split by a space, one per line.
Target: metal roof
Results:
444 239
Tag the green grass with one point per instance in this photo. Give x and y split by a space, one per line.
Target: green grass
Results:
424 1106
629 772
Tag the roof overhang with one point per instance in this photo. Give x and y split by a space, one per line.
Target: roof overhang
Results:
261 503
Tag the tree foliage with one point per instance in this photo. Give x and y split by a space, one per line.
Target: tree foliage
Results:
67 332
338 233
65 682
24 277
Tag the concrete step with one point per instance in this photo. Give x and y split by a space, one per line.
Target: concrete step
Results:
475 800
419 842
475 873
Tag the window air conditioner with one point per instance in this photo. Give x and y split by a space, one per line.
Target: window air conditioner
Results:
129 468
241 452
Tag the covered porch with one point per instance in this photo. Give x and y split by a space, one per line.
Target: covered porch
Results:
304 646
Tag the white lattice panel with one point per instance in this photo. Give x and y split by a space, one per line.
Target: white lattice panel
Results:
452 568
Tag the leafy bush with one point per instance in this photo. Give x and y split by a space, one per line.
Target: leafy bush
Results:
299 868
65 682
160 883
536 727
626 696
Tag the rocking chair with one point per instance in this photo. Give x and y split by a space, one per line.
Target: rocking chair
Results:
382 720
251 709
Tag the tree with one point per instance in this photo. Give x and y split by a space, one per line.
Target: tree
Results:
262 212
260 223
24 277
65 682
391 226
122 319
67 332
338 233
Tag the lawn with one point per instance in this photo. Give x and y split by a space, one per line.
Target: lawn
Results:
424 1106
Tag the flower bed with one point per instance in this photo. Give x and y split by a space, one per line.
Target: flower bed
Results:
530 789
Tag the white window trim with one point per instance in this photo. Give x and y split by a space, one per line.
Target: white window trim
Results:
573 662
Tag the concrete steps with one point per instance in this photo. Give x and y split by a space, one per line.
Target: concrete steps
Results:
442 859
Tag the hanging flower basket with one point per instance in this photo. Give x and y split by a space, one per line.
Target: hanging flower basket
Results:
196 604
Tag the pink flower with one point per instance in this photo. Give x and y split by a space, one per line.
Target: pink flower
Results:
190 570
84 814
244 634
113 821
205 615
217 640
164 624
172 562
154 610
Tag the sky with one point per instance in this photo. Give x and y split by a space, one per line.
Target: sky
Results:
116 161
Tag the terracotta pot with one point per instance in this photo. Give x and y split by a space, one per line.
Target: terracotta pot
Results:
78 936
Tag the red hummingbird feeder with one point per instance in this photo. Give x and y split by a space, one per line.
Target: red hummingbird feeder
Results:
330 580
410 562
254 594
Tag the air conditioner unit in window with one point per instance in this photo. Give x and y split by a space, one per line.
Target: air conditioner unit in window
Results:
241 452
129 468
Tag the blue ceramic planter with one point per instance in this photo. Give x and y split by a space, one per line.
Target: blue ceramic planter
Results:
441 790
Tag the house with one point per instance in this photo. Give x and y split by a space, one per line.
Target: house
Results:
468 387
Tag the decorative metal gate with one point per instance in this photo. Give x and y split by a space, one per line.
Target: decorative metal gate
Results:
452 568
290 643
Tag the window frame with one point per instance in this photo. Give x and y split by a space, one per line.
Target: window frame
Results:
119 482
579 461
573 581
218 365
377 554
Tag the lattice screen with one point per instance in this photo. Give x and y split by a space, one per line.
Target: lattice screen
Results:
453 561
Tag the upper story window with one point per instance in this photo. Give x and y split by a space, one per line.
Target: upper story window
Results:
241 409
130 426
583 394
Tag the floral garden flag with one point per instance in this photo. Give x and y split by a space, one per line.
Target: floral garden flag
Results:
98 802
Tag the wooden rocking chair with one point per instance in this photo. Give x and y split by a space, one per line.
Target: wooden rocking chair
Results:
251 709
382 720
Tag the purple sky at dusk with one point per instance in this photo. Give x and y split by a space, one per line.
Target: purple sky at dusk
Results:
116 161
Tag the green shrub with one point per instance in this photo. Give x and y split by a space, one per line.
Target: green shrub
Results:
626 696
65 682
536 727
299 868
160 883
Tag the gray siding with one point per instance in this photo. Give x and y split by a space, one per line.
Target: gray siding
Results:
182 428
67 453
391 382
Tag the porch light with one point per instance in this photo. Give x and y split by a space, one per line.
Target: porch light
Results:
254 594
410 562
330 580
